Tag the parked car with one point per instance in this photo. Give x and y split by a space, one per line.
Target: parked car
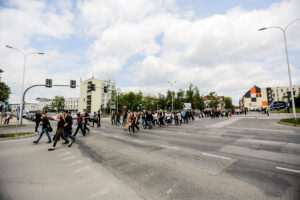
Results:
278 105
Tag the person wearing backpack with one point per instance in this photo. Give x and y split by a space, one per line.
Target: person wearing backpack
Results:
45 126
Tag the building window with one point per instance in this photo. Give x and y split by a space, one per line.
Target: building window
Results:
253 99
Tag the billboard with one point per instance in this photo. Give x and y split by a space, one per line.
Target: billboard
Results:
187 106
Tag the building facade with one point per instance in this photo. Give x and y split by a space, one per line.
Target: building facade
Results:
94 101
42 102
262 97
72 104
29 107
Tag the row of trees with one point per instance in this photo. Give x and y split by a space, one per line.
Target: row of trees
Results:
4 91
137 102
57 104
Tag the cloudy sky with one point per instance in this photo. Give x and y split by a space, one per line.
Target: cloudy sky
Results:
143 44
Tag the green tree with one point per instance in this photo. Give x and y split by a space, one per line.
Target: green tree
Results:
190 94
198 101
213 100
4 90
228 102
58 103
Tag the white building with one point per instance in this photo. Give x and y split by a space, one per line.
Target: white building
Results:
93 101
72 104
29 107
42 102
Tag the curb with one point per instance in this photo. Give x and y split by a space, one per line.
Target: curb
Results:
18 137
287 124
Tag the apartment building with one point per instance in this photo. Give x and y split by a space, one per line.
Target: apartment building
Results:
95 100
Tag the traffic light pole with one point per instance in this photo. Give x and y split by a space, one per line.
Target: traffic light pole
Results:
23 98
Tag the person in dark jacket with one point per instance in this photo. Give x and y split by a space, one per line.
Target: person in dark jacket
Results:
59 132
149 119
38 118
68 128
45 124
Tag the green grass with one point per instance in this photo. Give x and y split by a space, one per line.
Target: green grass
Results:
291 121
14 134
285 111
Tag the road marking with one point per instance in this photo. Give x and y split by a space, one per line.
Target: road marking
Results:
74 163
139 141
169 147
223 123
216 156
119 137
261 129
65 153
286 169
69 158
82 169
169 191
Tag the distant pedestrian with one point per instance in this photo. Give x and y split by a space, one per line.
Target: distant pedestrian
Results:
99 119
95 119
7 118
45 126
86 121
38 118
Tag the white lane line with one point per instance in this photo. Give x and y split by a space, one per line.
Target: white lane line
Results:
286 169
139 141
82 169
106 134
119 137
216 156
69 158
74 163
262 129
169 147
169 191
65 153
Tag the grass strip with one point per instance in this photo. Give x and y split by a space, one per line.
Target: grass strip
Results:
14 134
291 121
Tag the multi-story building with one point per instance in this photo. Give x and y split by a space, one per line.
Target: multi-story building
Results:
94 101
261 97
42 102
72 104
29 107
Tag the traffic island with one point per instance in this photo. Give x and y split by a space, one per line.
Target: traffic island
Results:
290 122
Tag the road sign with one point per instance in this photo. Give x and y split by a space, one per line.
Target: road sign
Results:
5 106
125 107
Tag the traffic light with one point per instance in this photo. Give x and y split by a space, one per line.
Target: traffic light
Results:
72 84
48 83
93 87
105 89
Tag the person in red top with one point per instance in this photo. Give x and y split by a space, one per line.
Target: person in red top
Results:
59 132
79 125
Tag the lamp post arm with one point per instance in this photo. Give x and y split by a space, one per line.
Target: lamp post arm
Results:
291 23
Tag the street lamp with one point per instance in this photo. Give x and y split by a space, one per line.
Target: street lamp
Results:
23 78
287 58
172 84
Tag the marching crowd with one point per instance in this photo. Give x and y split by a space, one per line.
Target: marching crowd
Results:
131 120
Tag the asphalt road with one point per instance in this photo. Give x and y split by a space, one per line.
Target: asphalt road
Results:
227 158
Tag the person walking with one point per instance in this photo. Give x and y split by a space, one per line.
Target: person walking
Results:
59 132
45 125
38 116
113 118
68 128
86 121
79 125
95 119
118 118
7 118
99 119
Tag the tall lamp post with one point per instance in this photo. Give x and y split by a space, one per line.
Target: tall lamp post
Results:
287 58
23 78
172 84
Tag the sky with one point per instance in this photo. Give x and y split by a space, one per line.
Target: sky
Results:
143 44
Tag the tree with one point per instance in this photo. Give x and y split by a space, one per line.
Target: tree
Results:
4 91
213 100
190 94
58 103
198 101
228 102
